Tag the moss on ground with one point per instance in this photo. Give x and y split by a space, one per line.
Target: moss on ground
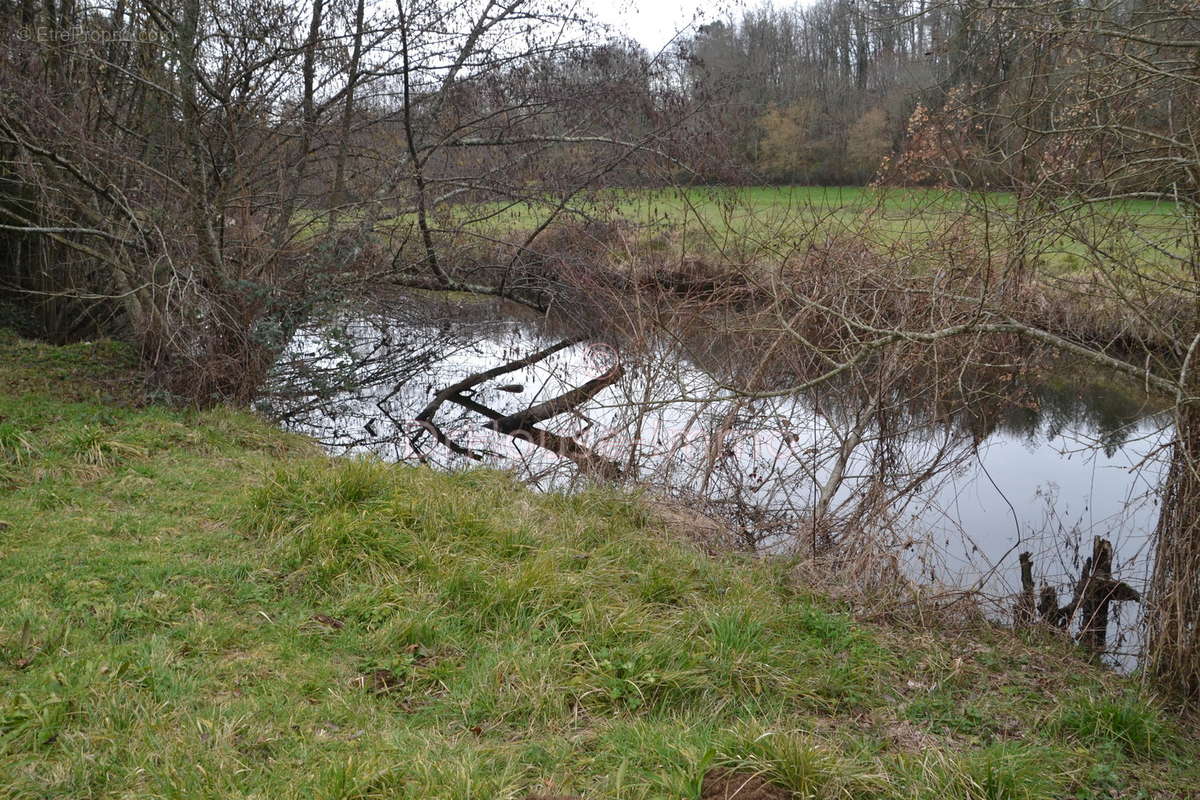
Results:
199 605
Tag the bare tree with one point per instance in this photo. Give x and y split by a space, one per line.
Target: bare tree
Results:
1089 114
202 176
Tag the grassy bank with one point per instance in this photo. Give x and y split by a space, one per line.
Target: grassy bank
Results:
197 605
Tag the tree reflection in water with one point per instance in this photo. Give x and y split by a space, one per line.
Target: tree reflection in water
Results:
944 478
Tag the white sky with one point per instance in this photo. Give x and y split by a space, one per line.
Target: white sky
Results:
654 22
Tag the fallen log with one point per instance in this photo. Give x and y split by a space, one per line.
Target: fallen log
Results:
556 405
585 458
523 425
477 378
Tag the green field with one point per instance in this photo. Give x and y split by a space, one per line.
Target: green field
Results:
195 605
770 223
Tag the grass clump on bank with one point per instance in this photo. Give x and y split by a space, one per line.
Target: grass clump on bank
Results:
198 605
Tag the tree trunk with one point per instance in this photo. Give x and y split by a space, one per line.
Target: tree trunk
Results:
1095 595
1173 641
338 194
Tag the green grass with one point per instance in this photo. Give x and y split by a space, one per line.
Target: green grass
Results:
764 224
914 228
196 605
711 214
1127 722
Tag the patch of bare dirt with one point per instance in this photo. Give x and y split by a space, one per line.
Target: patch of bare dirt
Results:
724 784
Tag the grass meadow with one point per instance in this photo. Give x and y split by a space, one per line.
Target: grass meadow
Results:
765 224
196 605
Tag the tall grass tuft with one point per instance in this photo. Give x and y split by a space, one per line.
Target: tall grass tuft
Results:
1130 722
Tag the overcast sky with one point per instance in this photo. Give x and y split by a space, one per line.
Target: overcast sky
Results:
654 22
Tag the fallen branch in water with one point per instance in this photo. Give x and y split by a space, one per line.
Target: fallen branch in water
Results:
584 457
522 425
557 405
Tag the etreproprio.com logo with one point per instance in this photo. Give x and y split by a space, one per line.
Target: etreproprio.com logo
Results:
78 35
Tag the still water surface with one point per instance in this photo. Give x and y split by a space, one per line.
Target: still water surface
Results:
1076 457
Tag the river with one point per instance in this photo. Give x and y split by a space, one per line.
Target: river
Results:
957 496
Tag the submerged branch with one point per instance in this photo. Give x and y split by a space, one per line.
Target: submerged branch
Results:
557 405
521 426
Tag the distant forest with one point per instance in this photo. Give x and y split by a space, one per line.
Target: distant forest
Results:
823 93
840 92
